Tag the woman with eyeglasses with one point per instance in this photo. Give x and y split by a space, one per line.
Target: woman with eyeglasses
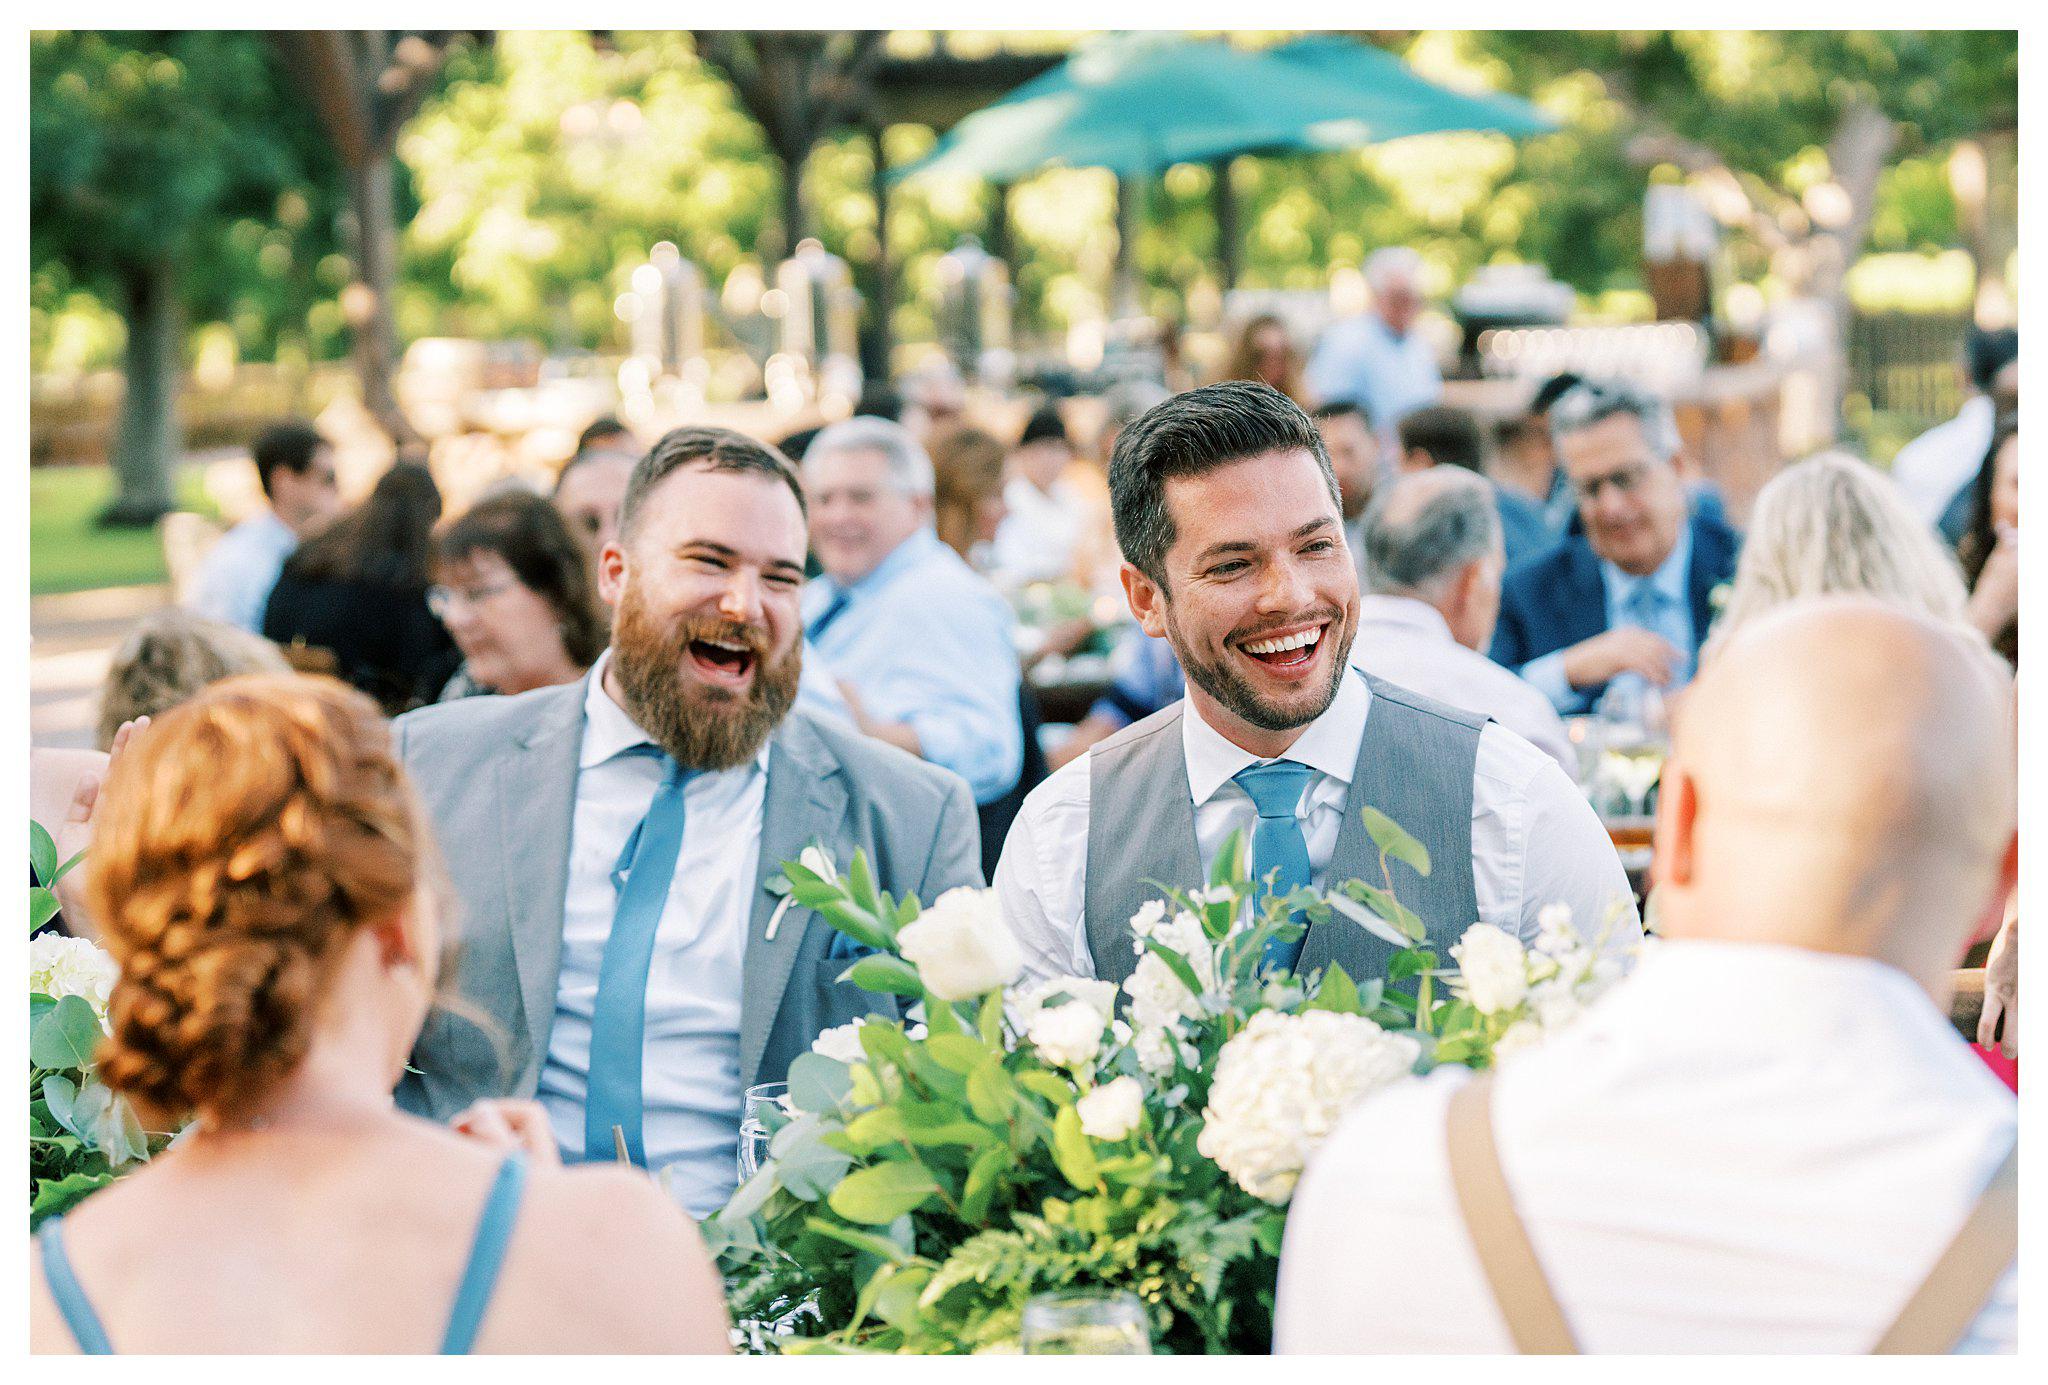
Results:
514 592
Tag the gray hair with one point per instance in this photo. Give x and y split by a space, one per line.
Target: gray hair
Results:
1420 531
910 467
1392 263
1595 401
1835 524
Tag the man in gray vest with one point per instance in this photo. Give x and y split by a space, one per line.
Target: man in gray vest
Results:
1232 535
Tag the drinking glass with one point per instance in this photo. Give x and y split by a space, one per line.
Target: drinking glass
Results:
762 1113
1085 1323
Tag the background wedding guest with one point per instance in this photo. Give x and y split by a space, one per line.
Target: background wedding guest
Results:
1377 359
1264 351
296 468
1437 436
591 484
1433 564
1990 547
967 492
513 588
1354 458
1935 468
1833 524
169 656
1763 1138
265 870
358 590
1046 516
1630 594
921 642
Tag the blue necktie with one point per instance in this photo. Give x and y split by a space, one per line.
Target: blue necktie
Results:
834 608
618 1021
1277 840
1649 607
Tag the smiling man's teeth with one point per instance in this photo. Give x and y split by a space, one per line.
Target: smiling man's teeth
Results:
1285 642
735 648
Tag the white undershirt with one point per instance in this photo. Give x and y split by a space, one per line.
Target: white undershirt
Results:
690 1068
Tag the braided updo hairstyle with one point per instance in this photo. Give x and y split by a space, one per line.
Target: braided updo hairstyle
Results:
242 841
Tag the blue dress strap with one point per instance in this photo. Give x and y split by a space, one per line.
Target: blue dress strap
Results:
486 1256
69 1293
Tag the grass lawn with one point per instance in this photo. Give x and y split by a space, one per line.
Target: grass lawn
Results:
68 552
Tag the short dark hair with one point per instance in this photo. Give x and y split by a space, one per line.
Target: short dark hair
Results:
1449 436
528 533
1554 389
1342 408
713 449
602 427
289 444
1989 352
1191 434
1045 422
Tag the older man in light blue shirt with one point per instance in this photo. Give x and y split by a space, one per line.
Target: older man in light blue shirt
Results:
1377 360
921 641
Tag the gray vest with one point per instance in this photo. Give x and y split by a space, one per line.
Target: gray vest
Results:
1414 764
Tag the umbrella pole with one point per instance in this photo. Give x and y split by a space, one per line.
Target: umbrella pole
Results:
1229 234
1130 190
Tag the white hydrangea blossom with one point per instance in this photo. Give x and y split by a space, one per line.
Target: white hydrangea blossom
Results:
841 1043
1113 1110
962 946
1069 1035
1156 1049
1158 997
59 966
1493 969
1281 1085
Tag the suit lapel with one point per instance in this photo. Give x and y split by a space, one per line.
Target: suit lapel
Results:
1582 601
805 802
536 796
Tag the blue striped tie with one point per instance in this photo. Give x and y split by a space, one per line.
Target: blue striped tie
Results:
618 1021
1277 840
834 609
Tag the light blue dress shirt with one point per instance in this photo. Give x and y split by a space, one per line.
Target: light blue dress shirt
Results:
238 572
924 639
1360 360
1672 619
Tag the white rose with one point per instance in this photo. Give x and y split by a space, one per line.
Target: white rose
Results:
1282 1084
841 1043
59 966
1494 971
961 945
1067 1036
1113 1110
1157 995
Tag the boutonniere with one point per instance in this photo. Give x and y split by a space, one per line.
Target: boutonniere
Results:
813 859
1717 596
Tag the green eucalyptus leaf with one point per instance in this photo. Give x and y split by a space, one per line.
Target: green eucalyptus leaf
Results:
818 1083
984 1181
875 1129
882 1192
42 906
883 972
897 1303
749 1198
966 1134
42 853
55 1196
959 1053
1372 922
1393 840
39 1005
1072 1153
879 1246
1050 1085
65 1036
1337 993
60 1098
991 1091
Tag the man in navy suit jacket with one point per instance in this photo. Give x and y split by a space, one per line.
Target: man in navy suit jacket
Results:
1628 596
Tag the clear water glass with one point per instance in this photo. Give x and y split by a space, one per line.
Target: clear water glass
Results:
1086 1323
762 1113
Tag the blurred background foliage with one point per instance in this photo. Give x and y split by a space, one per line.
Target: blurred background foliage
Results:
545 165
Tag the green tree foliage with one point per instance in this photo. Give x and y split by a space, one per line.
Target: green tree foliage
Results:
175 177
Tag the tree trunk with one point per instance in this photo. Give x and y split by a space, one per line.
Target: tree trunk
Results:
370 316
147 446
1229 230
1130 194
877 337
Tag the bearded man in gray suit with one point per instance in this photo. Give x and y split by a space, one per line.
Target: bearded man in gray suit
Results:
615 841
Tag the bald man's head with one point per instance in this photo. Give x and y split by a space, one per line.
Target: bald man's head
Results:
1842 778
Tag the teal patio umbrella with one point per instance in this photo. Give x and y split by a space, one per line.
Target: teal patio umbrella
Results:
1395 101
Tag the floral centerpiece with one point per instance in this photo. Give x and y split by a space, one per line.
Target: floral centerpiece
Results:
81 1134
925 1180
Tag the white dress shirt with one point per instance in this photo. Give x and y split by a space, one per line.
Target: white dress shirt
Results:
1933 467
1408 642
1535 840
1742 1148
690 1066
236 575
1038 538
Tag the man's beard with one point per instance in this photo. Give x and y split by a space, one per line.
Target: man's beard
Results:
700 725
1237 695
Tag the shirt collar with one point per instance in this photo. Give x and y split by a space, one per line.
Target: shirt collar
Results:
901 558
1329 744
1668 579
608 731
1407 612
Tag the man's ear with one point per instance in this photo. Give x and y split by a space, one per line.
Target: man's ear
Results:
1678 807
1147 600
611 573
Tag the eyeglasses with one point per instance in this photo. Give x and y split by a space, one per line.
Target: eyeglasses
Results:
1623 481
440 600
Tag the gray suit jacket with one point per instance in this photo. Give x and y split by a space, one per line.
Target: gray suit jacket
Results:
499 778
